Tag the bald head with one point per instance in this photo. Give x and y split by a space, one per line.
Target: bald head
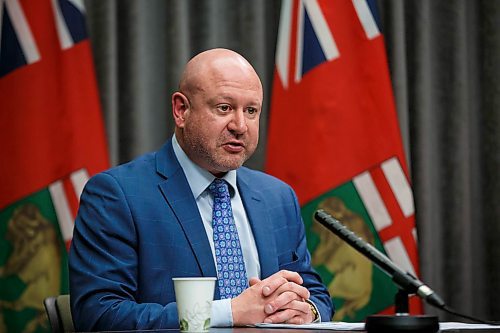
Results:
213 65
217 110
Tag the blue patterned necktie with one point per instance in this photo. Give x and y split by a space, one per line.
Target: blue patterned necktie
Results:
232 276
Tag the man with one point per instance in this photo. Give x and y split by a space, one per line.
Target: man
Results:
147 221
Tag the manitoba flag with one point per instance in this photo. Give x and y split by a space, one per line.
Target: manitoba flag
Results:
52 139
334 136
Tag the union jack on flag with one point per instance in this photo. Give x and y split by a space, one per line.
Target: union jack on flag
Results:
18 46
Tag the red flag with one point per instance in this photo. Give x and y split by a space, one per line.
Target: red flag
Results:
52 139
334 136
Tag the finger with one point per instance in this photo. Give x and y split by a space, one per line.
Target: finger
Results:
291 276
285 316
287 293
301 291
272 283
277 279
287 300
298 320
253 281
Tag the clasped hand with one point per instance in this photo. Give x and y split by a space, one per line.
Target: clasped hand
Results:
279 298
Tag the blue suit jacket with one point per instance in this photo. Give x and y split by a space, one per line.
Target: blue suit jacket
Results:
138 226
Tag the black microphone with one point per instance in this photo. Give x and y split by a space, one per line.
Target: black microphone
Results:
404 280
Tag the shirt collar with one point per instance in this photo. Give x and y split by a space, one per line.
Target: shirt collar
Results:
198 178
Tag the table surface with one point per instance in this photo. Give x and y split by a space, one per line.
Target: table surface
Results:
229 330
286 330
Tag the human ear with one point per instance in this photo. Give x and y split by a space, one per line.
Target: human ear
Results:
180 105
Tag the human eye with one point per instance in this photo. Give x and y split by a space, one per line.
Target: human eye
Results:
252 112
224 108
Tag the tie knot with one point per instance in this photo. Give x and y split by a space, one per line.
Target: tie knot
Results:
219 188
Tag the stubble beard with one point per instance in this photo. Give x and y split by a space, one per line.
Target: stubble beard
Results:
216 159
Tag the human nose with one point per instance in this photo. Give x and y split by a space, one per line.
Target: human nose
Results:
238 123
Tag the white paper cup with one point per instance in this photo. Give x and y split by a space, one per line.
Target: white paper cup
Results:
194 296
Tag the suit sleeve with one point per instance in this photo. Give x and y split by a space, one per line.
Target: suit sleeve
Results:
103 265
302 265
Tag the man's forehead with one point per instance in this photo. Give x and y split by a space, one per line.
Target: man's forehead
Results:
243 98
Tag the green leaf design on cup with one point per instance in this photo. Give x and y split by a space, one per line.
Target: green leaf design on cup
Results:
206 325
184 326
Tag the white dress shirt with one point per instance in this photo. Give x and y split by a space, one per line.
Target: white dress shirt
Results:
199 179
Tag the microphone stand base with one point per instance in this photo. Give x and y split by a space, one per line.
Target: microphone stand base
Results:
402 323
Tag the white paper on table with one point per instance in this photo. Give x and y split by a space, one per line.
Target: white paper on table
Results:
343 326
463 326
330 325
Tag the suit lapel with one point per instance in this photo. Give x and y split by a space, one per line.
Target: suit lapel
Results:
179 197
260 222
